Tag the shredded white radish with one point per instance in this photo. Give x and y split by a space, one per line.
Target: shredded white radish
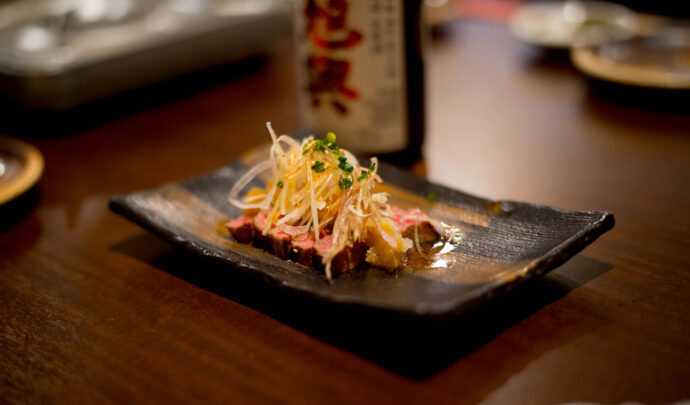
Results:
294 230
340 231
328 271
315 183
314 213
380 198
242 183
292 215
288 140
416 235
323 185
254 198
351 159
283 197
269 198
357 212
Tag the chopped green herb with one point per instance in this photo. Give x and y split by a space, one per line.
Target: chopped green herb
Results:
365 174
280 183
345 181
319 146
432 197
318 166
346 167
305 149
330 137
334 148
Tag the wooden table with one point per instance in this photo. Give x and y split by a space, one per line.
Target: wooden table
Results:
94 309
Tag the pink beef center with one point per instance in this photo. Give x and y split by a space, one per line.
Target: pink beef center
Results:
278 234
260 220
324 244
404 219
238 222
304 241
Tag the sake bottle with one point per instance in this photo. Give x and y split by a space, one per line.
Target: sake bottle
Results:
361 74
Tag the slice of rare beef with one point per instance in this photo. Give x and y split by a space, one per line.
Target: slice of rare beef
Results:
407 220
303 249
347 259
260 240
280 243
241 229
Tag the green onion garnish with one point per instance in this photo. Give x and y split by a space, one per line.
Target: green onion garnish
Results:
346 167
305 148
318 166
320 146
365 174
345 181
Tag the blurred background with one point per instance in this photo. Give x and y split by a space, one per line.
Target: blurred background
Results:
56 55
186 67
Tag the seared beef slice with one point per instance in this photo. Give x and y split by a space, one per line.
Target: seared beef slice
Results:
241 229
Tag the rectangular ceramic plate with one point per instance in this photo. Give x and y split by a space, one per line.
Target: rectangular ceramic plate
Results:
502 243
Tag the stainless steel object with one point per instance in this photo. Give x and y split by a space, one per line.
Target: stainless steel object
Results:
556 24
61 53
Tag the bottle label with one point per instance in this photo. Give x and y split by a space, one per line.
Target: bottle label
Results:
352 78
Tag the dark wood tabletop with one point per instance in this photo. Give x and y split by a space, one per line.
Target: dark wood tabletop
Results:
95 309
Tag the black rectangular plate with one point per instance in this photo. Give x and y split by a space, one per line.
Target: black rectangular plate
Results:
502 244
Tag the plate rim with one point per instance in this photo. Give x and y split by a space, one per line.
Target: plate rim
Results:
33 165
521 16
592 65
454 306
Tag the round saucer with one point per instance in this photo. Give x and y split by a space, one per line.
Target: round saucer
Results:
657 60
556 25
21 165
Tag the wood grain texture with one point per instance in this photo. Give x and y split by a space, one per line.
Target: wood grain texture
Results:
94 309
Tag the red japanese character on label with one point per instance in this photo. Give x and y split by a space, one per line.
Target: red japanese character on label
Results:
326 24
327 78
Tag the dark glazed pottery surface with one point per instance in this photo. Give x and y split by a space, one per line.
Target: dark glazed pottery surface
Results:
502 243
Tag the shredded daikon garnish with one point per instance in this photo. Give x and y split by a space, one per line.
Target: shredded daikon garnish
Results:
316 187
